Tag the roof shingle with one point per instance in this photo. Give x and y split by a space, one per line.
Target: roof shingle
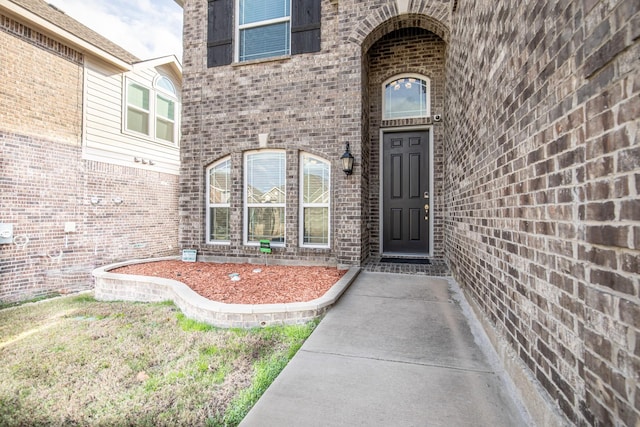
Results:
60 19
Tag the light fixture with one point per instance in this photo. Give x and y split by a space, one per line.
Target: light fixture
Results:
347 161
95 200
117 200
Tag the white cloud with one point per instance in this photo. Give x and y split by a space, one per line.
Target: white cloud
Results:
148 29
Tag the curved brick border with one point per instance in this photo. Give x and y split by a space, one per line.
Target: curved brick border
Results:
127 287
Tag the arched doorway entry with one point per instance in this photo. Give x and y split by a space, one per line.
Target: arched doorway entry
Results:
403 69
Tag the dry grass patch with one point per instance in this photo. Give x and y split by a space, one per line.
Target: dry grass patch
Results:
77 361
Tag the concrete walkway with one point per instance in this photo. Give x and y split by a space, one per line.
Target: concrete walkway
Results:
396 350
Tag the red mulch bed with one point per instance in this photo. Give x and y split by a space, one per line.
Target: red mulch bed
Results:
258 284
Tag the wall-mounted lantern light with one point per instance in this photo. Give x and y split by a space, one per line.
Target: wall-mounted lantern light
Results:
347 161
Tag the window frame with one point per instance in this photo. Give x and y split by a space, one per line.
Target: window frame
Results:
427 82
247 205
239 27
304 205
210 205
152 114
136 108
161 118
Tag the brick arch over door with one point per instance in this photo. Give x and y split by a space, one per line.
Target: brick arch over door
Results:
372 29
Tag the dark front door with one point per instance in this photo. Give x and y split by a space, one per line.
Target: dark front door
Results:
405 193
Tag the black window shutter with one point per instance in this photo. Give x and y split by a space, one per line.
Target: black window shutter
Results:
305 26
219 33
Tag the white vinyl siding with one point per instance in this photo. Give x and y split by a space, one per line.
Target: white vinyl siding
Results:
105 137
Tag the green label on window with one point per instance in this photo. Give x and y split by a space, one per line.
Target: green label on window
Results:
265 246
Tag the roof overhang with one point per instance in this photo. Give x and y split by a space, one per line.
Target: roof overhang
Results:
169 60
180 2
63 35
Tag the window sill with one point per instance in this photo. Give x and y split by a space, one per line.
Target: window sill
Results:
147 138
315 248
257 245
282 58
414 121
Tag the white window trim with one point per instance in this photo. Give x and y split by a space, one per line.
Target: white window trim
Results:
239 27
128 106
245 214
166 119
406 76
313 205
214 205
154 92
159 77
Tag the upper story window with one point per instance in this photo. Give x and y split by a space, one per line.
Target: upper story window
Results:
138 108
261 29
152 111
405 96
265 196
264 28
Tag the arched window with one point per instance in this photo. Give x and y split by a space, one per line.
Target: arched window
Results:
405 96
218 206
166 85
315 185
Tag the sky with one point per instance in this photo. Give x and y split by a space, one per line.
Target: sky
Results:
146 28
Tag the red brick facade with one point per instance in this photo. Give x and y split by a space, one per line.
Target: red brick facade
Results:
45 183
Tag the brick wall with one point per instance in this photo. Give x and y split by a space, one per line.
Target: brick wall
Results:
44 183
313 102
305 103
539 172
542 164
41 84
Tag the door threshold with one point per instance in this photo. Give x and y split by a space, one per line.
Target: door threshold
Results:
400 256
404 260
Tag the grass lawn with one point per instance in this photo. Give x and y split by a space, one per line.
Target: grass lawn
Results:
78 361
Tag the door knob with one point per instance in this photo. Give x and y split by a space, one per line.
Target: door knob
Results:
426 207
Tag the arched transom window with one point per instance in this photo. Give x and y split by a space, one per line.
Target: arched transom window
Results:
405 96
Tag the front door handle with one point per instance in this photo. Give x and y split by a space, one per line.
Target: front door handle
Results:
426 207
